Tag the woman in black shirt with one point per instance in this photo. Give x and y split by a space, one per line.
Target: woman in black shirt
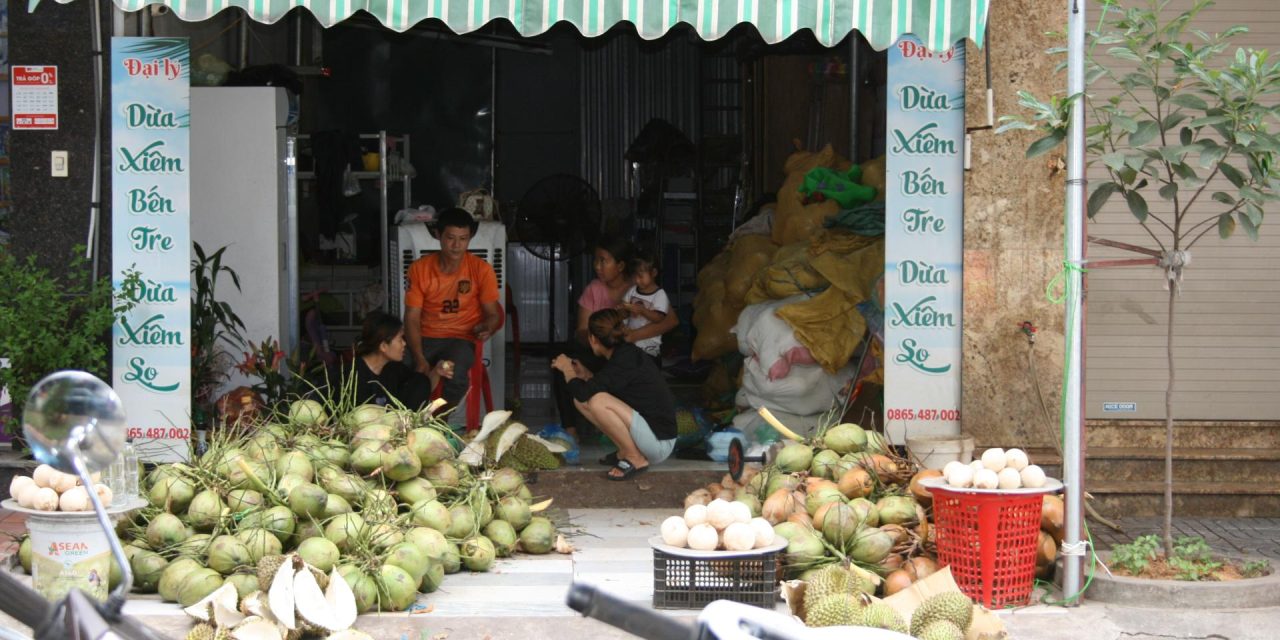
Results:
379 369
627 399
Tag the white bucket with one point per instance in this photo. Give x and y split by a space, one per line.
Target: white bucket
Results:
934 452
69 551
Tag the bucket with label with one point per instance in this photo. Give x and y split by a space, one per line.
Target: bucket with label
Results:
69 551
934 452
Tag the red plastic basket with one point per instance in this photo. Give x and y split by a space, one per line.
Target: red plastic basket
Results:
989 540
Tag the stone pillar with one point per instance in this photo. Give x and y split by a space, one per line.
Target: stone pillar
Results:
1013 235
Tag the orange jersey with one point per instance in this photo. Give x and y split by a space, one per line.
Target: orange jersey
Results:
450 302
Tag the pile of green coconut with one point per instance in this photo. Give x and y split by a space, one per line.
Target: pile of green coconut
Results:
346 512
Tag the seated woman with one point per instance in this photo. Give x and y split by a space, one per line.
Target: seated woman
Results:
627 399
379 368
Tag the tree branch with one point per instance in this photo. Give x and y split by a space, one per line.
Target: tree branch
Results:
1210 227
1153 235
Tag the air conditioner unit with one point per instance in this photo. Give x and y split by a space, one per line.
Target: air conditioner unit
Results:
413 241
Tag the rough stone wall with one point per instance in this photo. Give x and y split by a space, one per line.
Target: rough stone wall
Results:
1013 235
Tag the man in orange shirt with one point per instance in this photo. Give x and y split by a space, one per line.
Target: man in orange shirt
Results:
451 303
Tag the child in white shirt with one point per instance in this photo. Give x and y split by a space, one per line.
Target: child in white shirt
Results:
646 303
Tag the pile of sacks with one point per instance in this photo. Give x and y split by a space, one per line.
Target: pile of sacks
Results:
784 294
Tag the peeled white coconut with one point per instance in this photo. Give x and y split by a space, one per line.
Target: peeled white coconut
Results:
341 601
255 629
309 602
43 475
1033 477
961 476
741 512
703 537
45 499
977 466
986 479
1017 458
18 483
695 515
1009 478
675 532
74 499
280 599
27 495
104 494
720 514
994 459
946 470
764 532
204 609
64 482
739 536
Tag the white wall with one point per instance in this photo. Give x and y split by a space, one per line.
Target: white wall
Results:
238 199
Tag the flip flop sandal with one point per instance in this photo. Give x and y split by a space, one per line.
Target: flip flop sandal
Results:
609 459
628 470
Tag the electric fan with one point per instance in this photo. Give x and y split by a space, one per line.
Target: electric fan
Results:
557 219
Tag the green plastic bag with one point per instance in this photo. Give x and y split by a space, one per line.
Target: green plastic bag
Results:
841 187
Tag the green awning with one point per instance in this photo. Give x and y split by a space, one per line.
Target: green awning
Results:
939 23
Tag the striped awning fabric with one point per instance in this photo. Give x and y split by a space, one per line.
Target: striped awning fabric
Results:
938 23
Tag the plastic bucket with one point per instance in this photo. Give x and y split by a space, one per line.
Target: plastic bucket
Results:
934 452
69 552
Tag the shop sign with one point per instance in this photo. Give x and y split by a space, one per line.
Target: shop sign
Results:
150 204
924 234
35 97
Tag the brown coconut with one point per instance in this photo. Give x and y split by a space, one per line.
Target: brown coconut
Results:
922 494
896 581
699 496
801 518
778 506
856 483
1052 516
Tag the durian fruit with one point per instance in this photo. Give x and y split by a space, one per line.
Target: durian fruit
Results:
953 606
527 455
882 616
834 579
686 424
836 610
940 630
267 568
202 631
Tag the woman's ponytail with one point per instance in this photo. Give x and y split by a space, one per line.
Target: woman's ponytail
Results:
609 328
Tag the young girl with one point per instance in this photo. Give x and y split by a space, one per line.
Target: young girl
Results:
627 399
613 278
647 308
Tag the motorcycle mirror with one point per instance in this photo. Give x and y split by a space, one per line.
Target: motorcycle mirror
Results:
73 413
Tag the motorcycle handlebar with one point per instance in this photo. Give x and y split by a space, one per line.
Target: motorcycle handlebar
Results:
636 620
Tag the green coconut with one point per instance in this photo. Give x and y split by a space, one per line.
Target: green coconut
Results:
431 542
362 416
280 521
431 514
205 510
288 482
415 490
306 441
335 453
452 559
462 522
896 509
343 529
147 566
245 582
839 525
243 477
172 576
506 481
845 438
515 511
319 553
871 545
378 502
306 530
363 586
816 499
335 505
824 464
327 473
866 510
349 487
485 514
196 546
173 494
228 552
165 530
751 500
197 585
443 475
538 537
240 500
307 413
525 494
397 589
260 543
263 447
477 553
794 457
366 457
24 554
399 463
308 500
804 548
503 537
296 463
408 557
433 578
781 481
431 446
384 535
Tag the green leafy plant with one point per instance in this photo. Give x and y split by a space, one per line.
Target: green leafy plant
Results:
1192 124
1137 555
215 331
54 320
1192 548
1193 570
281 379
1256 568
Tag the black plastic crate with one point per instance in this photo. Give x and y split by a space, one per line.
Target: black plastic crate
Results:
681 582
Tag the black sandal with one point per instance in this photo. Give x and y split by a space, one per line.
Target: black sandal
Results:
609 459
628 470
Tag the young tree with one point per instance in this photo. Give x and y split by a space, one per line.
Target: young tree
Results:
1192 125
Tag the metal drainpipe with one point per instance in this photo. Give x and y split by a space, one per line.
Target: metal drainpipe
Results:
117 21
297 38
855 78
1073 429
144 22
242 33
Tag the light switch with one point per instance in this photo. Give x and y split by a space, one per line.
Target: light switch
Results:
58 165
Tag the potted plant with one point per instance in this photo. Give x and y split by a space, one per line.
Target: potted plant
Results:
215 333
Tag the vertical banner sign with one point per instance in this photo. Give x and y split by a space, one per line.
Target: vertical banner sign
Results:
924 240
150 220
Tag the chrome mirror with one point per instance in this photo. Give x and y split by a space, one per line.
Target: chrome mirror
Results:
72 413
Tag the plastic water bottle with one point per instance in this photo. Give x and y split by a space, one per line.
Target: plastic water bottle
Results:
130 471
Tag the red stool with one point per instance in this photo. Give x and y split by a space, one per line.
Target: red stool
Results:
477 382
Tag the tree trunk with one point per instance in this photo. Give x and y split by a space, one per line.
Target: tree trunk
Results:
1168 430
